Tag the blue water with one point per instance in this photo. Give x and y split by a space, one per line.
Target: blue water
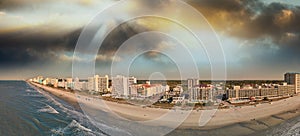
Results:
26 110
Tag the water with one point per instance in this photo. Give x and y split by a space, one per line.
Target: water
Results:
26 110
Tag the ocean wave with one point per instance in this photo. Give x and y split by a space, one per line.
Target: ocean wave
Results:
33 95
48 109
28 90
80 117
112 129
73 128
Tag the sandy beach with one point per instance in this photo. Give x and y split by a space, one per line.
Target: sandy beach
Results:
235 121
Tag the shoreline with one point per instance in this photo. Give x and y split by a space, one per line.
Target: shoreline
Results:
64 95
249 119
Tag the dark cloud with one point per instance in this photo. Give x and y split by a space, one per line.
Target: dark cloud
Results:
254 21
46 44
26 46
13 4
127 30
251 19
119 35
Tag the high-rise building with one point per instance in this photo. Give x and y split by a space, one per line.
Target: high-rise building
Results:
103 84
201 93
192 83
91 84
293 79
98 84
120 86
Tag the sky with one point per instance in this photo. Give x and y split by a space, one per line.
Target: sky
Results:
260 38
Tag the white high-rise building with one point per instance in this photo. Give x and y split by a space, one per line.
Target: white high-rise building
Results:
192 83
120 86
98 84
293 79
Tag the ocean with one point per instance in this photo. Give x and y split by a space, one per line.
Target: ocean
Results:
26 110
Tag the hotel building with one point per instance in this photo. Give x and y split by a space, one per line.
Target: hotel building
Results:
260 93
192 83
293 79
147 90
120 86
98 84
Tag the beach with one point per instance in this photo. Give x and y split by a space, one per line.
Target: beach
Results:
241 120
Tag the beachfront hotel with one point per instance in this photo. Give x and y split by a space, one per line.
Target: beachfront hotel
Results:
125 87
271 91
191 84
144 90
289 88
276 91
293 79
120 86
201 93
98 84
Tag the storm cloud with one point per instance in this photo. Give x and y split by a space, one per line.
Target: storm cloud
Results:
266 26
29 45
268 32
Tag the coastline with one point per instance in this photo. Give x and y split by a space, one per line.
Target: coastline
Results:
234 121
63 95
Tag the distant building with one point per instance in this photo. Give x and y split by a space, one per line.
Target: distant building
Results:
286 90
61 83
192 83
147 90
269 92
201 94
103 84
260 93
80 85
178 90
69 83
132 80
54 82
120 86
39 79
293 79
77 84
46 81
91 84
98 84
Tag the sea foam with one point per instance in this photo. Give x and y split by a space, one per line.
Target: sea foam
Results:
48 109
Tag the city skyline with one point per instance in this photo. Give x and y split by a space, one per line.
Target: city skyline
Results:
259 44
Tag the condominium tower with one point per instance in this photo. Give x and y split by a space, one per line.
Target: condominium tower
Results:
293 79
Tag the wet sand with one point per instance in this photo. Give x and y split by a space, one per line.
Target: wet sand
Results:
244 120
